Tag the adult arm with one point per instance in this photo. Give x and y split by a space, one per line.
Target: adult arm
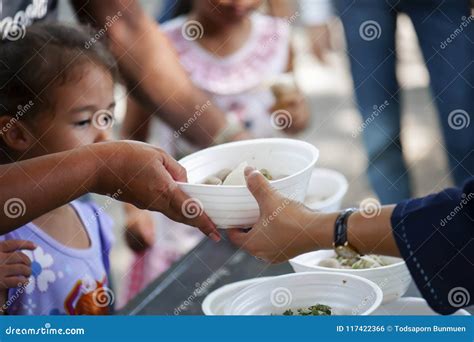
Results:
134 172
435 235
439 251
287 228
151 68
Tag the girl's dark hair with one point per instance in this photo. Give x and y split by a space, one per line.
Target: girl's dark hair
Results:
47 56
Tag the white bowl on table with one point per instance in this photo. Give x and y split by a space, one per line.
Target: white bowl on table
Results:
326 190
231 206
393 279
217 301
345 294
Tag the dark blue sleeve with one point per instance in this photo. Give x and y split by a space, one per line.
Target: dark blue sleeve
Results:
435 235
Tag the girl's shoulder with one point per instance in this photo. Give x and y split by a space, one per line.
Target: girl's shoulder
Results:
96 221
264 54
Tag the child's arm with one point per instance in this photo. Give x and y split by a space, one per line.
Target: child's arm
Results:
15 267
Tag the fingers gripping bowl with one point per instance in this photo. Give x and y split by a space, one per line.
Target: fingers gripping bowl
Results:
231 206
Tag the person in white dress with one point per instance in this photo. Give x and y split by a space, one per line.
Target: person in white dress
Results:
242 60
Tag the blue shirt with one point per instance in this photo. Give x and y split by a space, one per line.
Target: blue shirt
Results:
435 235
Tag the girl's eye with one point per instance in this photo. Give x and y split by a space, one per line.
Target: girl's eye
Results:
82 123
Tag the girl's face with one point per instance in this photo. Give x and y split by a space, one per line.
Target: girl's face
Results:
82 113
226 11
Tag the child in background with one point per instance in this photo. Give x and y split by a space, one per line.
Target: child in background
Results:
234 54
66 95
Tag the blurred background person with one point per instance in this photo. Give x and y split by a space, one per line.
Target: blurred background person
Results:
242 60
445 36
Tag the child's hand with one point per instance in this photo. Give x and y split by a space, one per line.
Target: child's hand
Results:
15 266
294 104
139 229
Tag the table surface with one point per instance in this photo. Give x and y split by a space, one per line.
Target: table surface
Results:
182 289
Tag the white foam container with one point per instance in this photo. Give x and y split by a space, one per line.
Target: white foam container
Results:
234 206
217 301
393 279
345 294
326 190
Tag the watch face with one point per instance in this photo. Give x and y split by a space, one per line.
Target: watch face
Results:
346 252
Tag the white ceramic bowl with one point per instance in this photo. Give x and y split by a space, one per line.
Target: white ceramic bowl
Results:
393 279
234 206
345 294
217 301
326 190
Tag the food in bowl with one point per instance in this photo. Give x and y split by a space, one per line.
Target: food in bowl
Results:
343 294
236 176
394 278
357 263
233 206
314 310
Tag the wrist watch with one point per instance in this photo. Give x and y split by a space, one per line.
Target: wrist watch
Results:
342 247
231 129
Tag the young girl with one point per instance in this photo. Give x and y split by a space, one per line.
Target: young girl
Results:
56 95
234 54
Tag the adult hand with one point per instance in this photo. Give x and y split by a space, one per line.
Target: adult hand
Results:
283 229
146 176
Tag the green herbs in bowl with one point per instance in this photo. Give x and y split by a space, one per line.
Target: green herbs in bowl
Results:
315 310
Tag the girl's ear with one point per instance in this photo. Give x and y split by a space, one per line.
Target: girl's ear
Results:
15 134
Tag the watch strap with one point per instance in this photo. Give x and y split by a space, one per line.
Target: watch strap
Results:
340 227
